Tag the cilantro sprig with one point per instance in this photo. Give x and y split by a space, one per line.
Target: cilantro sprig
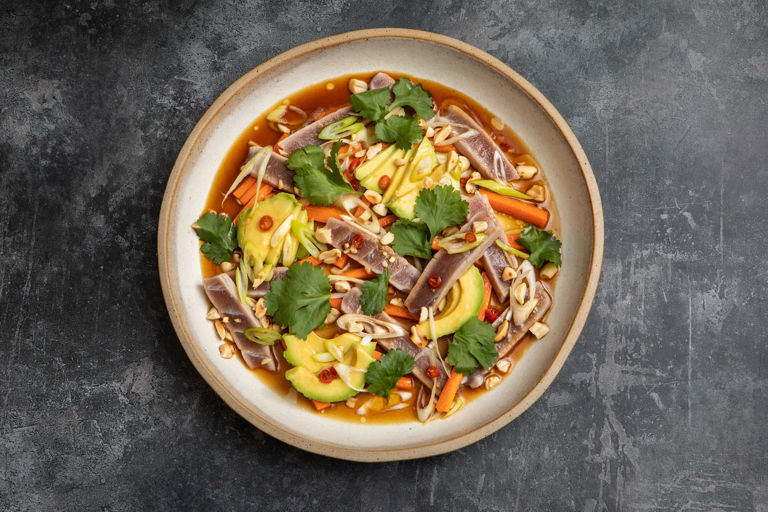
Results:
411 239
301 300
404 131
472 346
219 235
319 185
441 207
542 245
374 296
382 375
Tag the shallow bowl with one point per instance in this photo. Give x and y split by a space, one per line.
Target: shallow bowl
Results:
429 56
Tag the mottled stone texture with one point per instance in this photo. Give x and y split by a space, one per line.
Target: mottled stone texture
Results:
662 404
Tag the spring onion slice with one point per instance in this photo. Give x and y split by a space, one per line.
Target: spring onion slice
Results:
262 335
306 237
511 250
262 156
503 190
457 243
341 129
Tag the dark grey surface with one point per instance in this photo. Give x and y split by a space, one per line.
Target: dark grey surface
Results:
662 404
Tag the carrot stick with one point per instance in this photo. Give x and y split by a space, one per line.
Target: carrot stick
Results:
387 220
486 297
336 303
524 211
320 405
360 209
260 193
358 273
247 183
404 383
447 148
312 260
341 261
398 311
449 392
323 213
376 355
512 241
263 191
434 245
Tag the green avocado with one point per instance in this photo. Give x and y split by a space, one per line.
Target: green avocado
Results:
304 375
255 242
464 300
380 165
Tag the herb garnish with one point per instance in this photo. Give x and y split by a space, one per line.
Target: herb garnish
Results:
219 235
383 375
440 207
472 346
319 185
411 239
542 245
374 296
301 300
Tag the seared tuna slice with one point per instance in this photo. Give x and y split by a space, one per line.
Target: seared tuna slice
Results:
481 150
380 81
263 288
351 304
494 262
370 252
450 267
223 295
276 174
307 136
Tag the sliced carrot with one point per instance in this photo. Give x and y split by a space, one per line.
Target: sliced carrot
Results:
277 144
512 241
312 260
449 392
446 148
434 245
486 297
404 383
247 183
323 213
341 261
358 273
360 209
336 303
398 311
259 193
387 220
539 217
321 405
376 355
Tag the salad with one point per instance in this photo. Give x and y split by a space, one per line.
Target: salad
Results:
384 253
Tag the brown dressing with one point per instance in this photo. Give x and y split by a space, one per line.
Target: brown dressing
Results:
317 100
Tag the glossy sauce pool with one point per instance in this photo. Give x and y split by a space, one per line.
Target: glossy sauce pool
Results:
325 97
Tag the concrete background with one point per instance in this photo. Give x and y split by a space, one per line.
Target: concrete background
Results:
662 404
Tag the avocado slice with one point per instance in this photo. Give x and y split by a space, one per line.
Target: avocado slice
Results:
380 165
464 300
255 242
304 375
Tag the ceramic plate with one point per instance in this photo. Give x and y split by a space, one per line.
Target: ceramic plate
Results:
425 55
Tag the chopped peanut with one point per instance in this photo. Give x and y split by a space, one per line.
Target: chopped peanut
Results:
539 329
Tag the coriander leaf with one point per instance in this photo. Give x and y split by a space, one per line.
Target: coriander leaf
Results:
412 95
411 239
301 300
542 245
371 104
374 297
403 131
309 157
472 346
219 235
314 181
383 375
441 207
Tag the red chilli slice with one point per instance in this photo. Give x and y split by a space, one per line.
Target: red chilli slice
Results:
433 372
325 376
470 238
384 182
357 241
434 281
265 223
